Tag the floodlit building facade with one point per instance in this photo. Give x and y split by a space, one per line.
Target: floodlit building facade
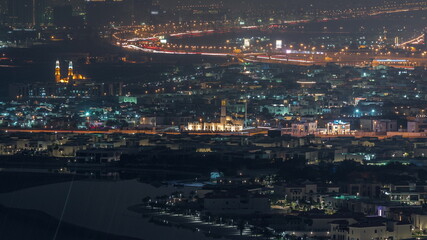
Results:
338 127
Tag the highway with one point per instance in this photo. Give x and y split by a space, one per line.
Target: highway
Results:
251 132
149 39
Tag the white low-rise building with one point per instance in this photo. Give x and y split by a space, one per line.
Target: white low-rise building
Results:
304 128
378 230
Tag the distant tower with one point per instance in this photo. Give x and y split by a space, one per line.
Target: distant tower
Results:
396 41
246 114
70 71
57 72
223 117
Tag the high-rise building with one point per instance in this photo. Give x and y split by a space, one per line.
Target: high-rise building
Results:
105 12
40 12
396 41
3 11
140 10
63 15
425 38
201 9
119 12
20 12
26 13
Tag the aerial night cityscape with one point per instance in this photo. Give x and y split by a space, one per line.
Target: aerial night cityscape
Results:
213 119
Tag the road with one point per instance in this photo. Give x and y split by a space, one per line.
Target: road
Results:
250 132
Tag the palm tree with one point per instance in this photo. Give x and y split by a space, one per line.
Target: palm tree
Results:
146 200
241 226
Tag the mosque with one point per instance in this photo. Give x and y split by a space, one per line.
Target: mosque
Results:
71 76
226 123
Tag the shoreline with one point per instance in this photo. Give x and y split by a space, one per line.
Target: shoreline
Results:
191 223
18 223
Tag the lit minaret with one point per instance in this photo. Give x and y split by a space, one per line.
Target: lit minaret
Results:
57 72
70 70
223 117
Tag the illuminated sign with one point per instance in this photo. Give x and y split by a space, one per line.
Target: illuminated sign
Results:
279 44
288 51
246 42
216 175
391 60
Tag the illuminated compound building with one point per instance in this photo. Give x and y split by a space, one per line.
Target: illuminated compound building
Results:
71 76
338 127
226 123
74 85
